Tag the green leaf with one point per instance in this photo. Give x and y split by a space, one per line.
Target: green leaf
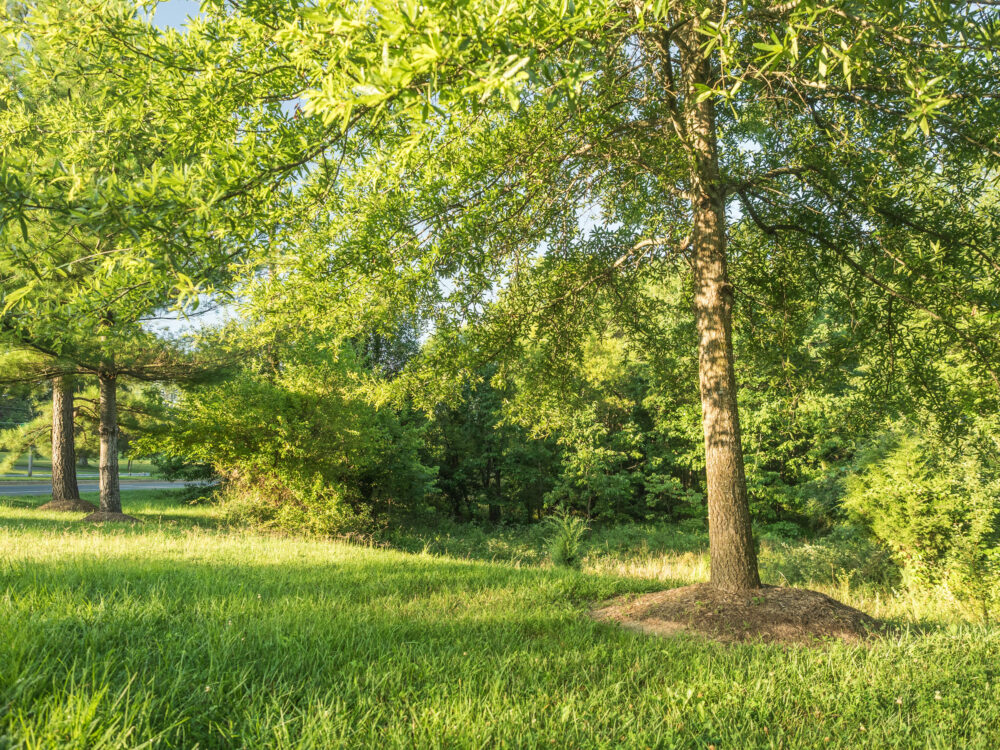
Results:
16 296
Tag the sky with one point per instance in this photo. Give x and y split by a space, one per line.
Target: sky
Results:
174 13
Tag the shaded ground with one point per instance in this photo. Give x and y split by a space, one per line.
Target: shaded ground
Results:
82 506
105 517
772 614
168 508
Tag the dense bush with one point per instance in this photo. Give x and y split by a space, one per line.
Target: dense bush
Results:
176 468
296 444
973 578
934 505
318 508
628 446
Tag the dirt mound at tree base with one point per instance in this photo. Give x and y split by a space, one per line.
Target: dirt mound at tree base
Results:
102 517
77 505
772 614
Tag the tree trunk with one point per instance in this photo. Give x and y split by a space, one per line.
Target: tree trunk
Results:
733 558
64 486
111 498
495 509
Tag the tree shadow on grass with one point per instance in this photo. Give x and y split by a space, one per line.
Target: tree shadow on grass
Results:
898 628
149 506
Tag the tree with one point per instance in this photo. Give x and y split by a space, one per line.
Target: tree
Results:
483 460
122 195
57 418
544 152
117 355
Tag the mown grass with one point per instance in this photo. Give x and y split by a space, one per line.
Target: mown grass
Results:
183 633
43 465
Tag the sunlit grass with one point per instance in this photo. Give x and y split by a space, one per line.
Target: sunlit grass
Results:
180 633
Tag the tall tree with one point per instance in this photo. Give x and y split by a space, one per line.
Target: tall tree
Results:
134 180
109 185
537 153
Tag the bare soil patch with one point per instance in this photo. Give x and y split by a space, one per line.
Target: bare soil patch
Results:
102 517
771 614
69 505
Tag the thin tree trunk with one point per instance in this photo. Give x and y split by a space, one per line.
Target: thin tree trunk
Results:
494 508
64 486
111 498
733 558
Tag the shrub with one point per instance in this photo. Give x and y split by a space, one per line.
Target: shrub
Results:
782 531
566 543
175 468
295 438
317 508
925 501
973 577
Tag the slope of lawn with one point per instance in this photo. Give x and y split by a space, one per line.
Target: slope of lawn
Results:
182 633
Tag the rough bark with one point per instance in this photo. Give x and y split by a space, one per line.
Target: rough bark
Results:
111 499
64 485
733 558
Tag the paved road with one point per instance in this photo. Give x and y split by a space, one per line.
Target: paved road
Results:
43 488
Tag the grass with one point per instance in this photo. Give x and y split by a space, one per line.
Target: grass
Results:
183 633
42 465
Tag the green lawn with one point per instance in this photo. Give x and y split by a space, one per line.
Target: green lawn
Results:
42 465
181 633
